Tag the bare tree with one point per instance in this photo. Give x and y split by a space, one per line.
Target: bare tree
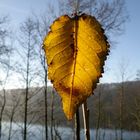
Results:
5 51
28 66
122 104
3 97
42 29
123 75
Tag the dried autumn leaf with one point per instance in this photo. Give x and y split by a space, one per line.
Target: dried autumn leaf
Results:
76 49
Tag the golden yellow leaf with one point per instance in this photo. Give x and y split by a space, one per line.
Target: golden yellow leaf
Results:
76 49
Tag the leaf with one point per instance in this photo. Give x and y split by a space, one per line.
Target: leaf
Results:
76 49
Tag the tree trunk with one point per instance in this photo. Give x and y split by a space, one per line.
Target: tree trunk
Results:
46 113
12 116
99 116
121 110
26 92
1 113
77 125
52 111
25 114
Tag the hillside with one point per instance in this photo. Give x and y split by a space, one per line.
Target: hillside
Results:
104 106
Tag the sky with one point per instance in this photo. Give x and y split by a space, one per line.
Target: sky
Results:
126 51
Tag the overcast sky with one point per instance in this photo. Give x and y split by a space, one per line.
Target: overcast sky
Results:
127 48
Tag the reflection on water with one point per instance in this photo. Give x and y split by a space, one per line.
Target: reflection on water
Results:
37 132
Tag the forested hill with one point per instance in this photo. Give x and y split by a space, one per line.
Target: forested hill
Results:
104 104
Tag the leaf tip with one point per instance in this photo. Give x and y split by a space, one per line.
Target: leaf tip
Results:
69 110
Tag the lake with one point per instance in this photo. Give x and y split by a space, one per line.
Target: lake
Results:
36 132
